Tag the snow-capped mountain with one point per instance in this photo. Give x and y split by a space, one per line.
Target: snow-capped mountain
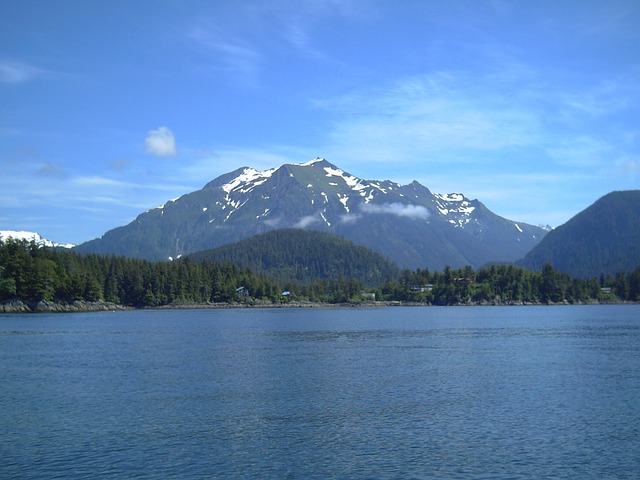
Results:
407 223
31 237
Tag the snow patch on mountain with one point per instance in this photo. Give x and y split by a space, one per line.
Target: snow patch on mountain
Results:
344 199
455 207
350 180
451 197
161 207
454 203
248 179
325 219
31 237
309 163
369 197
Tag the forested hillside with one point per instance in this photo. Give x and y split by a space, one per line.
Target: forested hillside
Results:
303 256
602 239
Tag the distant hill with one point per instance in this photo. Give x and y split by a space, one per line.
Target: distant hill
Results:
295 255
406 223
603 238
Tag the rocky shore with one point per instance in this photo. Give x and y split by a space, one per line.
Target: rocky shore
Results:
18 306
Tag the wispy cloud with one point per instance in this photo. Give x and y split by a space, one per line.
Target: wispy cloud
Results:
246 41
434 117
236 58
447 117
580 151
307 221
18 72
299 26
161 142
414 212
100 181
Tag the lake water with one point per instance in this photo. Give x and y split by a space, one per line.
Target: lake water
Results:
399 392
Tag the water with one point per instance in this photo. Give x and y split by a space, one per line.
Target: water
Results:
472 392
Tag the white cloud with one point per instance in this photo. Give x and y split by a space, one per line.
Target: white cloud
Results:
415 212
161 142
92 181
273 222
306 221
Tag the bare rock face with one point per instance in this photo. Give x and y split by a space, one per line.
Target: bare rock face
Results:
14 306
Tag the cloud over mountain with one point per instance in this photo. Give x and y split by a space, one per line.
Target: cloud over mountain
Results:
416 212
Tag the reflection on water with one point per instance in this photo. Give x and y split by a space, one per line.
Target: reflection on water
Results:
541 392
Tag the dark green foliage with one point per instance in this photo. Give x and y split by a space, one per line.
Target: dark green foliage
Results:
33 274
507 284
604 238
294 256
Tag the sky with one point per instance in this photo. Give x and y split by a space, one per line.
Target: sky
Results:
109 108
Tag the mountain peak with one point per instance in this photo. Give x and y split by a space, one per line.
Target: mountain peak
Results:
406 223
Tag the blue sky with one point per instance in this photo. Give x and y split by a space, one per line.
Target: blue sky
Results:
110 108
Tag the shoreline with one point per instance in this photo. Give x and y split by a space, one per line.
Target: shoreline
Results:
78 306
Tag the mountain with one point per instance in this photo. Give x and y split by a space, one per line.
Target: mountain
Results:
603 238
31 237
301 256
406 223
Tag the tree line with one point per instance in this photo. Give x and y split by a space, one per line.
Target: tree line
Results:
509 284
32 274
